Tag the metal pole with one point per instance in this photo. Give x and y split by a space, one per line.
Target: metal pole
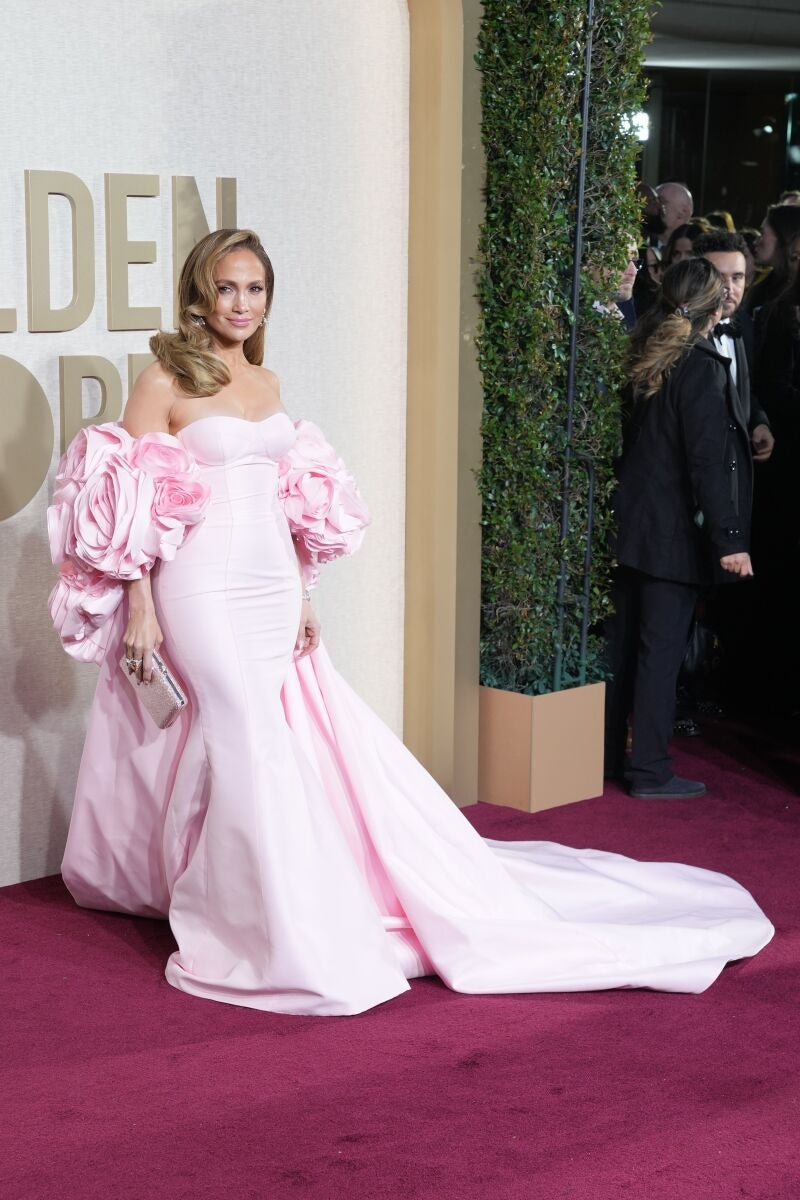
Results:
558 668
586 598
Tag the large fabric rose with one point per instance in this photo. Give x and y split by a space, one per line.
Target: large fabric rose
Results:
110 529
81 607
320 498
179 503
179 500
161 455
119 504
85 454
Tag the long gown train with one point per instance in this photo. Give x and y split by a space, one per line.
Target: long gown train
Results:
306 862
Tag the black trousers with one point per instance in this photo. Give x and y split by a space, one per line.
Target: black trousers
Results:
645 643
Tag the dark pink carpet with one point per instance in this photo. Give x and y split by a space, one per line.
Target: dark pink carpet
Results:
116 1087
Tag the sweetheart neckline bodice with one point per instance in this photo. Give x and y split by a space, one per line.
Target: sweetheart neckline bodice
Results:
231 417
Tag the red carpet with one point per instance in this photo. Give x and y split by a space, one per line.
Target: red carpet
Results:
116 1087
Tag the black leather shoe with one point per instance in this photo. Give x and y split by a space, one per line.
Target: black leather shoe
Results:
674 789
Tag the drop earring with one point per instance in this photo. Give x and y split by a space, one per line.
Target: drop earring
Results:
199 321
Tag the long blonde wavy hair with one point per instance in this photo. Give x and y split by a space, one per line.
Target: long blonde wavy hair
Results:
188 353
691 292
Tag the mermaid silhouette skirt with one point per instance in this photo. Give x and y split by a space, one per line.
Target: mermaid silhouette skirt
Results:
306 862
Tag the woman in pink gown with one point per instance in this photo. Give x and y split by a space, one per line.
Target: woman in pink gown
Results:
305 860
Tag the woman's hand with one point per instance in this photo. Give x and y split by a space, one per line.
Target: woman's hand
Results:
309 631
739 564
143 634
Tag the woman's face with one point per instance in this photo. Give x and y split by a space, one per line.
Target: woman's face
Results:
794 258
767 246
682 249
241 297
653 264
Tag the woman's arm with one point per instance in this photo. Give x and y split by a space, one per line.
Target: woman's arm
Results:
143 633
150 402
308 634
147 411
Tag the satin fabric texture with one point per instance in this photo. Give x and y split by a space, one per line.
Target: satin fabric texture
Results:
305 860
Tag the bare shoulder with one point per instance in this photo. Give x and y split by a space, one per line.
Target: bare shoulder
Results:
270 379
154 379
150 402
271 384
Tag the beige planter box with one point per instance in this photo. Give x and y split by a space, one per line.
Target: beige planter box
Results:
538 752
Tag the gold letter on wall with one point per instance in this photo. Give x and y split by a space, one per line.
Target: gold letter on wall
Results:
136 364
120 251
26 437
72 370
39 187
189 222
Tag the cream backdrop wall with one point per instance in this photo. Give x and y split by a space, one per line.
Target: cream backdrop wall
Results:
305 104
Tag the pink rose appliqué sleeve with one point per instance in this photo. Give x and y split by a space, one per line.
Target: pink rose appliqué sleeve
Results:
119 504
324 508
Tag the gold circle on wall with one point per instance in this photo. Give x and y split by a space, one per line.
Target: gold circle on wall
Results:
26 437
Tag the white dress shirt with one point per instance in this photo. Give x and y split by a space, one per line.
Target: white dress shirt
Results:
726 345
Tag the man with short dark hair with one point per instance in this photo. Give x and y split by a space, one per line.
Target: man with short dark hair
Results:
730 610
733 337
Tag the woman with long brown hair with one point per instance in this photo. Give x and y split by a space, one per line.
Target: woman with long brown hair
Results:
681 241
773 252
683 517
306 862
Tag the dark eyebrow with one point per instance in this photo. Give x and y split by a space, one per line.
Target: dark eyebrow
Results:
233 282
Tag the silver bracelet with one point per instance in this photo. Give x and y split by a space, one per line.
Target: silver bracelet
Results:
306 595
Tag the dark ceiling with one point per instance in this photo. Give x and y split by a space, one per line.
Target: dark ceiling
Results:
727 34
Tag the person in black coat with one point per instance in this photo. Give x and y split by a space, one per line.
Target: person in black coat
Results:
777 508
734 335
682 513
733 612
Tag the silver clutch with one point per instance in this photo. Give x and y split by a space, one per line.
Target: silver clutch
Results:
164 698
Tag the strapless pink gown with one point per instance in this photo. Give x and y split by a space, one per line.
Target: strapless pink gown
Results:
306 861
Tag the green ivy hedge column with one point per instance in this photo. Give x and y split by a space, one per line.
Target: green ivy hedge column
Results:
531 58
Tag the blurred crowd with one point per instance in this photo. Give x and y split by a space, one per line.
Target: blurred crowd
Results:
748 638
670 229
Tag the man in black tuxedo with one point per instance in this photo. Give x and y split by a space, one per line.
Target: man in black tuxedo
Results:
733 337
732 611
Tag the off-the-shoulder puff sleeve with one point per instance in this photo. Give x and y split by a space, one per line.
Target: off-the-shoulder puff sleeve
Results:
119 504
326 513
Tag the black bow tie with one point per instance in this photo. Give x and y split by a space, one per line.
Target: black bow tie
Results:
727 328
